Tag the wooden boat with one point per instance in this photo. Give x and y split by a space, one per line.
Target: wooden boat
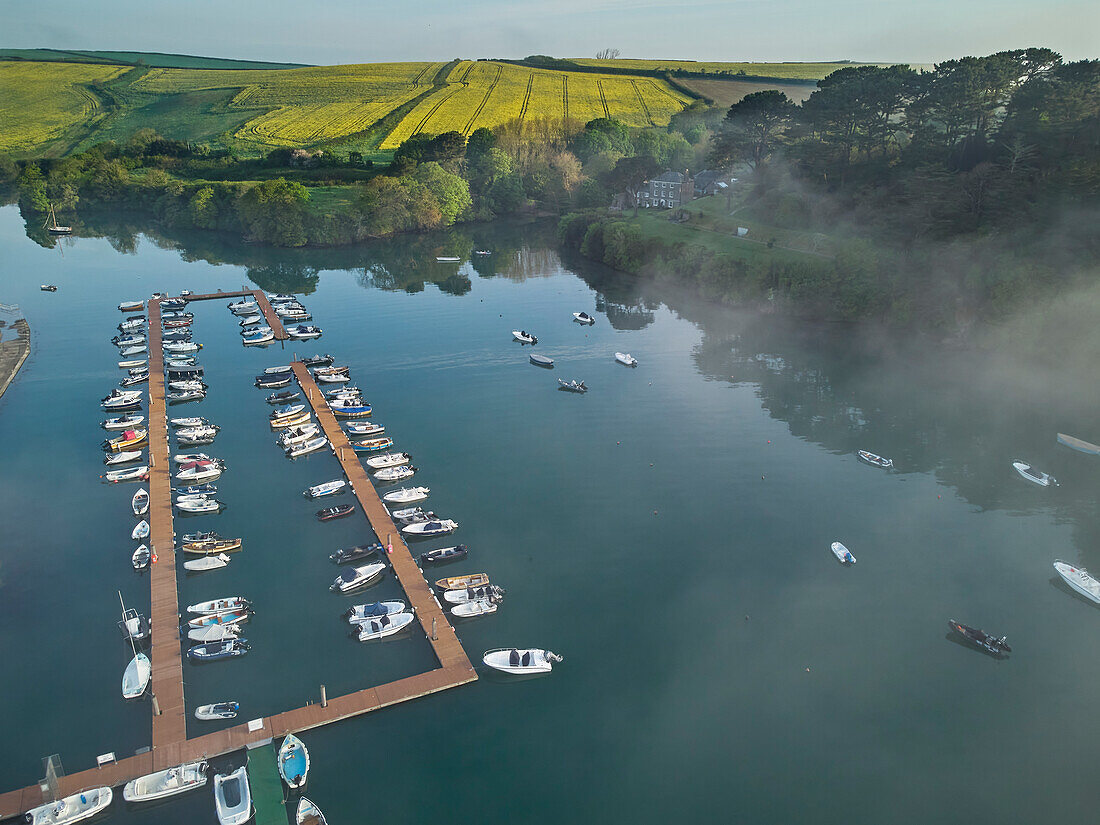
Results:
325 360
141 557
140 531
626 359
131 306
75 808
406 495
1078 444
360 551
129 474
354 578
842 553
572 386
475 607
220 605
305 447
176 323
436 527
541 360
140 502
206 563
1034 475
218 710
371 629
470 594
124 422
212 547
583 318
521 660
214 633
443 555
365 612
524 337
227 617
388 460
170 782
293 762
395 473
339 511
232 797
125 457
463 582
328 488
369 428
215 651
291 421
372 445
1079 579
302 332
129 440
136 678
875 460
308 814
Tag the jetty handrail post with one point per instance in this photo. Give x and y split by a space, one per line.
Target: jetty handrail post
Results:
434 637
324 697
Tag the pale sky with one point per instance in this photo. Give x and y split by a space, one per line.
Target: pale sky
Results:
365 31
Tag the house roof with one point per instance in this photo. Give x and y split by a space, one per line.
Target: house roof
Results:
671 177
707 177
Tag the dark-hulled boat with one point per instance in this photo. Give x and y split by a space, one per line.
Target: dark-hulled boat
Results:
981 639
361 551
325 360
212 651
444 555
284 397
339 511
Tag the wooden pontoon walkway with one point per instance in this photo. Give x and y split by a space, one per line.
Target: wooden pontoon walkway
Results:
169 734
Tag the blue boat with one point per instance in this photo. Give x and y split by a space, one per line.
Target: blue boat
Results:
293 762
212 651
350 410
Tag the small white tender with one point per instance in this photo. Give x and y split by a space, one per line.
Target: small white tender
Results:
232 797
1079 579
521 660
843 554
165 783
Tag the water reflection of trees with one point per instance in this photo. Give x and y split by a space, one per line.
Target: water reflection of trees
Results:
619 296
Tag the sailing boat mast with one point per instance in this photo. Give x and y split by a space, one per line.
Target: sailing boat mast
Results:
52 226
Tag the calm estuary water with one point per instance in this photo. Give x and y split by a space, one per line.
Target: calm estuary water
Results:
668 533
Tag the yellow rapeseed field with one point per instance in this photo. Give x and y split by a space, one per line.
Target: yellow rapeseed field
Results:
39 101
488 94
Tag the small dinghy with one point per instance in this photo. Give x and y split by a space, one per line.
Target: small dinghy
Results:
309 814
207 563
181 347
165 783
199 505
360 551
134 626
136 678
184 396
128 340
48 287
287 412
372 445
284 397
355 577
395 473
75 808
249 320
380 628
475 607
187 386
447 259
128 440
365 612
220 605
121 400
199 471
264 335
215 651
339 511
352 393
306 447
140 502
875 460
444 554
437 527
365 429
229 617
218 710
1033 475
130 474
201 535
331 378
196 436
272 382
175 323
189 422
626 359
328 488
297 435
521 660
302 332
524 337
406 495
124 422
463 582
141 557
583 318
408 514
293 762
1079 579
124 457
232 797
388 460
291 421
472 594
325 360
130 352
134 380
243 305
214 633
979 638
280 297
140 531
1078 444
346 408
131 306
541 361
572 386
134 363
842 553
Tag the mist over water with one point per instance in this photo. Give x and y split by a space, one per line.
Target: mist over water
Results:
667 533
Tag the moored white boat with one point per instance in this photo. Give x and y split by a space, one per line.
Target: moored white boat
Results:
583 318
842 553
355 577
436 527
302 332
1078 444
521 660
75 808
474 607
136 678
388 460
1034 475
129 474
141 557
626 359
374 610
328 488
232 797
219 605
124 422
524 337
395 473
308 813
140 502
471 594
214 633
293 762
384 626
125 457
165 783
875 460
199 504
406 495
368 428
305 447
207 563
1079 579
141 530
298 435
199 471
217 710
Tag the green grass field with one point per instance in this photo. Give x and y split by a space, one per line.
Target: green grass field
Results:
154 59
794 71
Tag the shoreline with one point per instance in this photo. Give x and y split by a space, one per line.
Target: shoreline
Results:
13 353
